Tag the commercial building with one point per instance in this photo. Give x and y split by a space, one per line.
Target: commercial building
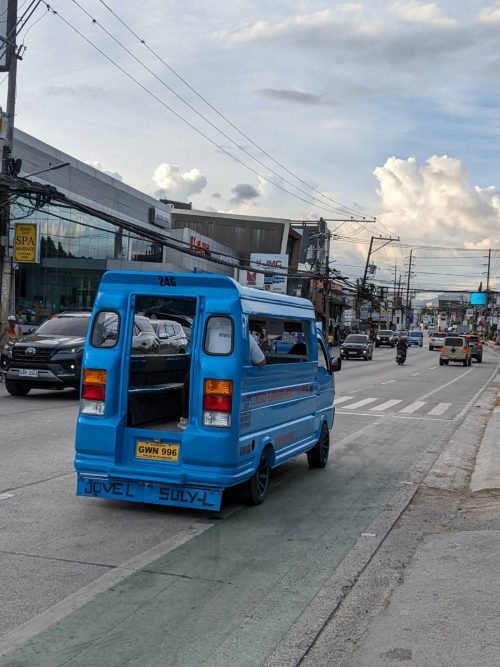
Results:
76 248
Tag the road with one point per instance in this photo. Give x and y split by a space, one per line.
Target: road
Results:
93 582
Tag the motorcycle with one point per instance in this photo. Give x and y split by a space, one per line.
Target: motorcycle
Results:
400 357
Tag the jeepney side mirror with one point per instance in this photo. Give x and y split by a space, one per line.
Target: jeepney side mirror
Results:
335 364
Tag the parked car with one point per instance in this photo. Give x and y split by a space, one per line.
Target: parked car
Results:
416 338
385 337
455 348
436 340
284 343
357 345
144 339
171 335
476 347
50 358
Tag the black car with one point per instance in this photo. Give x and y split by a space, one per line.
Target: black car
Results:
385 337
476 346
50 358
356 345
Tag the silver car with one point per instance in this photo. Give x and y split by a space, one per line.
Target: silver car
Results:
144 338
173 339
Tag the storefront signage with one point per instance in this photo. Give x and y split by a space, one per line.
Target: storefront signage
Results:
275 280
160 218
26 243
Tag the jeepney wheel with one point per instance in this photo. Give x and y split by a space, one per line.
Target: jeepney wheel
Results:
17 388
317 457
255 489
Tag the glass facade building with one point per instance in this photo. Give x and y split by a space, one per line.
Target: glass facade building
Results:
74 250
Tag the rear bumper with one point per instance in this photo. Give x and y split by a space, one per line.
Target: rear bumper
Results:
173 495
53 376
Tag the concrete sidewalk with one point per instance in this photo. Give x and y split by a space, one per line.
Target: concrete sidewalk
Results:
431 594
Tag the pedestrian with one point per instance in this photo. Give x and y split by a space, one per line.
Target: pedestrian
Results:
12 331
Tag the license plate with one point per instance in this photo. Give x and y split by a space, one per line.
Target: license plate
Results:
156 451
28 372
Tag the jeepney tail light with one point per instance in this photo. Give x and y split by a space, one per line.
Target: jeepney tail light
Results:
465 350
93 392
217 402
479 344
441 349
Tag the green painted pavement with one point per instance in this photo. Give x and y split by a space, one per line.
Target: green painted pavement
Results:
228 596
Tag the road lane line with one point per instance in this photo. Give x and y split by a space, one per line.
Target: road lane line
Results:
413 374
344 398
440 409
413 407
386 405
358 404
388 382
447 384
53 614
432 368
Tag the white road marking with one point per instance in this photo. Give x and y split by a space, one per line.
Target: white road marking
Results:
53 614
447 384
4 496
413 374
388 382
358 404
432 368
344 398
386 405
440 409
413 407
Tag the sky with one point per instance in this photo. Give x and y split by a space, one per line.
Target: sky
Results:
380 108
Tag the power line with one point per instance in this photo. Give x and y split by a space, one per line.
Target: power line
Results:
193 109
181 118
223 116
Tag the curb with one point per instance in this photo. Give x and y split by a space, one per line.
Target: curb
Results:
486 475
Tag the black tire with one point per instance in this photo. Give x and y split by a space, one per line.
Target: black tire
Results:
447 362
377 344
254 491
465 362
317 457
17 388
480 360
441 362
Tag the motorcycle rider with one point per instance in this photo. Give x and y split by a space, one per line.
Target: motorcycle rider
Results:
402 347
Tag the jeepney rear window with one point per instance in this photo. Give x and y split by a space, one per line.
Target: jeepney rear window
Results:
105 329
218 335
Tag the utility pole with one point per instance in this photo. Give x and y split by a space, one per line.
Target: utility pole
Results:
488 272
394 294
6 269
361 288
408 291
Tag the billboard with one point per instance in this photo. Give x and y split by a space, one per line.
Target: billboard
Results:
478 298
275 280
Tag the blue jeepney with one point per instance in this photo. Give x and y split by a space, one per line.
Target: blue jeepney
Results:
176 428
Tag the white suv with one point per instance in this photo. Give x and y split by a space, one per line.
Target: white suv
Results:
436 340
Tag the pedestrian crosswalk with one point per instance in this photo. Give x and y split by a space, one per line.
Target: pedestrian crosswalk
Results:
351 403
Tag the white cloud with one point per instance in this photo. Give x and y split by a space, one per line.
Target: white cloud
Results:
490 15
178 185
98 165
436 203
422 12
